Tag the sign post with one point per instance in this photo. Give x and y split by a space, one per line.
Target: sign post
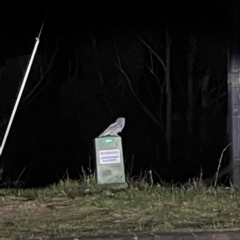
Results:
109 166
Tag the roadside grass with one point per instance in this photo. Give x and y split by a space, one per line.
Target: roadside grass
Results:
80 208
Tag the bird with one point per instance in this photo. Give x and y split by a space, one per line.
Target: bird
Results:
114 128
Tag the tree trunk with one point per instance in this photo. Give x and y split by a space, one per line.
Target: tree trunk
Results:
169 98
204 103
190 87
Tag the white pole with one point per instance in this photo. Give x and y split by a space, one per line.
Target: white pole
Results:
19 95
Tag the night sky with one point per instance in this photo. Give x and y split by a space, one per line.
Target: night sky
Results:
83 92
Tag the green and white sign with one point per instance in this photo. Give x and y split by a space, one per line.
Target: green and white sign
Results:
109 161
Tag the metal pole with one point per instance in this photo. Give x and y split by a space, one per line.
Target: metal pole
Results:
20 92
234 118
234 97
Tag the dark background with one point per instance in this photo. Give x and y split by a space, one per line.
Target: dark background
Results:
75 90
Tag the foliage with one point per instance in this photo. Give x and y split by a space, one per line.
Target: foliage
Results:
73 208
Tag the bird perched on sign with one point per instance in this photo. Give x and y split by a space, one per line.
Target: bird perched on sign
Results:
114 128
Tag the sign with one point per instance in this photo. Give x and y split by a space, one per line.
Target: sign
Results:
109 156
109 167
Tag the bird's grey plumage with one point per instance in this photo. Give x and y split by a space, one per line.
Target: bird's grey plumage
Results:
114 128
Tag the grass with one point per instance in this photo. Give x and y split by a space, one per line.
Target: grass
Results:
73 208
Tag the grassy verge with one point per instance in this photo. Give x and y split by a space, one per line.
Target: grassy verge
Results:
72 208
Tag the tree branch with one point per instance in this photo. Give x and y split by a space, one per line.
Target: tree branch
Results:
146 110
152 51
